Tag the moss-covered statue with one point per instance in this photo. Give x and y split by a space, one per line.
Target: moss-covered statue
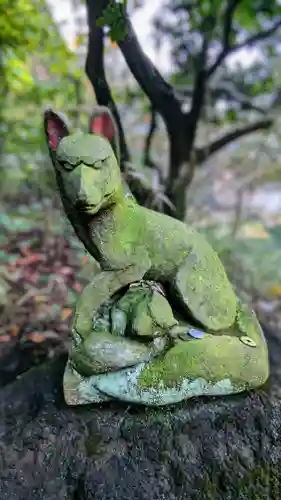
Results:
160 322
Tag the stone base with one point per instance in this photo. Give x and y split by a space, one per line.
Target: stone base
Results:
207 449
215 365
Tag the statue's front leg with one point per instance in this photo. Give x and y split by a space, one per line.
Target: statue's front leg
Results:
103 352
100 289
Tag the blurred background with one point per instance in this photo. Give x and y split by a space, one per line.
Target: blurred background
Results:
200 140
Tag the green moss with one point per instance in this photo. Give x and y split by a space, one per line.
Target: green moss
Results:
247 322
263 482
213 358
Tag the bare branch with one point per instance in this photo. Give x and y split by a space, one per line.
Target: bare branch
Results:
205 152
200 81
96 74
159 92
182 150
198 93
229 90
148 140
228 20
225 90
258 37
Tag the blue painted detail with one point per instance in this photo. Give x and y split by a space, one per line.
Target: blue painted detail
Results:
196 334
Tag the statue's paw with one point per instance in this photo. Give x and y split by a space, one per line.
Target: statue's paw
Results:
80 390
159 346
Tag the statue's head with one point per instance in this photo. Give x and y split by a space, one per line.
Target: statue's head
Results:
85 163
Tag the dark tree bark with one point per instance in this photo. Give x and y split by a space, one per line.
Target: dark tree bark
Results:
181 125
148 140
214 449
96 74
203 153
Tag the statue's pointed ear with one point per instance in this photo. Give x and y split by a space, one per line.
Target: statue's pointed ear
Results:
102 122
55 129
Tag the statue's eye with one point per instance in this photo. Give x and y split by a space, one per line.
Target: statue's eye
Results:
100 163
65 165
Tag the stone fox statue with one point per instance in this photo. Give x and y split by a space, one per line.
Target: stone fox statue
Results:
140 248
132 242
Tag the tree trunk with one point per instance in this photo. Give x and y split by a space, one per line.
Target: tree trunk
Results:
178 199
212 449
181 169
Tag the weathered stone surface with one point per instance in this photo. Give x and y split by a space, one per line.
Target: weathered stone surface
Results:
204 449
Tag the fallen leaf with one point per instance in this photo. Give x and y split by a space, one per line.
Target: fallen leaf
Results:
34 278
25 298
66 313
35 337
40 298
39 337
77 287
14 330
25 251
30 259
275 291
5 338
256 231
50 334
65 271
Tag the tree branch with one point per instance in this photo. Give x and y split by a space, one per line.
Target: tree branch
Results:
226 90
183 149
227 30
96 74
258 37
148 140
157 89
198 94
200 81
159 92
205 152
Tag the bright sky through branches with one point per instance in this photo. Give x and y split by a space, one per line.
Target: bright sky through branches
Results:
142 20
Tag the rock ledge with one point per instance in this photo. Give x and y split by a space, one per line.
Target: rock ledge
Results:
207 449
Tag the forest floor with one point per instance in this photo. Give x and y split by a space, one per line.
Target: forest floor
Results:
42 272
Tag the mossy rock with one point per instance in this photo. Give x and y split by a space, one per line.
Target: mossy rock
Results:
224 363
207 448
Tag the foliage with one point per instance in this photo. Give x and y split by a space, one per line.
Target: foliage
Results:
229 26
39 69
18 24
112 18
205 35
